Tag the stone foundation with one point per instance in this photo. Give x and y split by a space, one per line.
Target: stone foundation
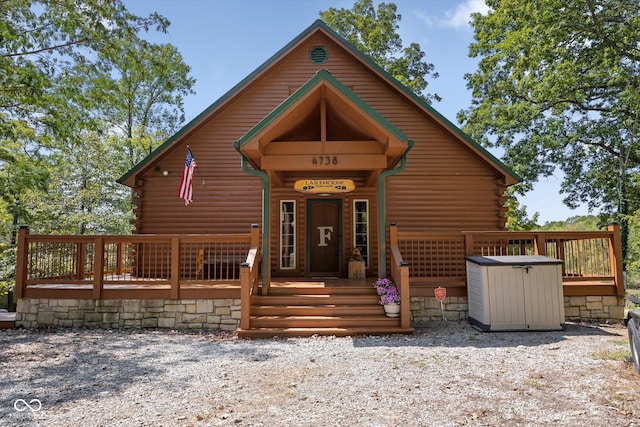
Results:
150 313
225 313
592 308
428 308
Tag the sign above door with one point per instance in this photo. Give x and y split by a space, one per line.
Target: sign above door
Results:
315 186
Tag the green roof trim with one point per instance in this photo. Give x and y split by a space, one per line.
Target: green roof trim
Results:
317 24
322 75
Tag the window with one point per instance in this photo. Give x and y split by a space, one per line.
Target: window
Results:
361 227
287 234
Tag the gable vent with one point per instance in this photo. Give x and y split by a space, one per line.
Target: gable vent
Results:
318 55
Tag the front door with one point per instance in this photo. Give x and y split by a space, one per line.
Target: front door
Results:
324 236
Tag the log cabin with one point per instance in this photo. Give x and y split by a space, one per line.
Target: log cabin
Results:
324 152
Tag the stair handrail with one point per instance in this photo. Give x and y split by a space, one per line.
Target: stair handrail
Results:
249 273
400 275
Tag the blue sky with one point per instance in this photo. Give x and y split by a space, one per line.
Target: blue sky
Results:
225 40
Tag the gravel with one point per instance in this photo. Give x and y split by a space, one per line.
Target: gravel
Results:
446 374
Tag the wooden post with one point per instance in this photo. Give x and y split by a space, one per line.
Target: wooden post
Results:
540 241
81 259
175 268
21 261
255 236
405 296
468 244
245 295
615 257
98 268
393 235
119 259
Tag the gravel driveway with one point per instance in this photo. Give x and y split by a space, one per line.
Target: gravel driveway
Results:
447 374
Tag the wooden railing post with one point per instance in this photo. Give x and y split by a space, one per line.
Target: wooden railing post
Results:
540 244
615 257
468 244
98 268
175 268
81 260
119 259
393 235
245 295
405 296
21 261
255 236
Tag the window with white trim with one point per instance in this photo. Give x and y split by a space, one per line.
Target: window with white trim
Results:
361 227
287 234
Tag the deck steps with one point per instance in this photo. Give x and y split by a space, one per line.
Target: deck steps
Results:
307 311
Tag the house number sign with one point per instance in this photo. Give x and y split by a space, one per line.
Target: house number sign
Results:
324 160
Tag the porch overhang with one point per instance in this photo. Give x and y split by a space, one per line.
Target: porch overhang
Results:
325 128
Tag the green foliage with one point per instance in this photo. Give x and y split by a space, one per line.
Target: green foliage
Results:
557 86
576 223
7 270
517 217
83 97
373 31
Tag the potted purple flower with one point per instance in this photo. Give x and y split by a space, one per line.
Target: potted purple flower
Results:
389 296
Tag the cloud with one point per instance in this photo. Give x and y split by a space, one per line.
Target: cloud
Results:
458 17
461 16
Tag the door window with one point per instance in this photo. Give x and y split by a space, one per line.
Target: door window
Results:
361 227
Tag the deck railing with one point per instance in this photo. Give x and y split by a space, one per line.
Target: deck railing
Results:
592 259
151 266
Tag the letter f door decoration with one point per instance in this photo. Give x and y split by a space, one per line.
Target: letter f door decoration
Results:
325 235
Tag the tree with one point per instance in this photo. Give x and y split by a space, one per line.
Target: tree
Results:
77 84
557 86
75 79
373 31
145 100
517 218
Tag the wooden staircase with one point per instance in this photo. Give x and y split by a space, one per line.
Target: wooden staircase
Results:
306 311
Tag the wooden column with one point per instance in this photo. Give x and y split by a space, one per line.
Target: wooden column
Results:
175 268
98 268
615 257
21 261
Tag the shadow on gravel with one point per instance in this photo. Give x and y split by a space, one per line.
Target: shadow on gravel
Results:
100 363
462 334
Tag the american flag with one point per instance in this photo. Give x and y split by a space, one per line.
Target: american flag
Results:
186 184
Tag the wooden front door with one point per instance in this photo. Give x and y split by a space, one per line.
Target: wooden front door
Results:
324 235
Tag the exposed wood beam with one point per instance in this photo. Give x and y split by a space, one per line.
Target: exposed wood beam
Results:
323 162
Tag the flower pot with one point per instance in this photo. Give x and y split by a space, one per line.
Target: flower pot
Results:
392 310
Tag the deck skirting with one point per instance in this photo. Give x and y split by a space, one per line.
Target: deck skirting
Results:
130 313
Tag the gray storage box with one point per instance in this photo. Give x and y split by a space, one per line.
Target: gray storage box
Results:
508 293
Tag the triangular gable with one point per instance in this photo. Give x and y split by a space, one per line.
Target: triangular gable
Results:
318 26
323 115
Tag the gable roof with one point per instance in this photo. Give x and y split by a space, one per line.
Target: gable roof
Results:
510 176
366 126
